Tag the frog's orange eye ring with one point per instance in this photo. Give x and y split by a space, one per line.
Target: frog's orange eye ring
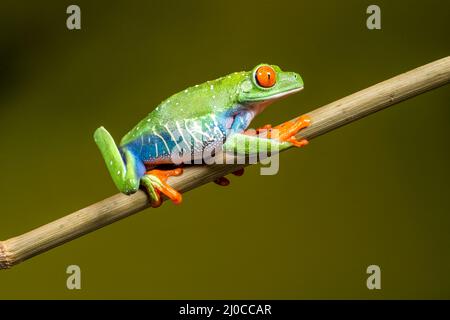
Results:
265 76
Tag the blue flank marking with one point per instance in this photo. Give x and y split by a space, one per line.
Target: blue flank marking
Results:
151 148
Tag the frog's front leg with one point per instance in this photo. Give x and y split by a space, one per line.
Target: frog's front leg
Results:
277 139
285 131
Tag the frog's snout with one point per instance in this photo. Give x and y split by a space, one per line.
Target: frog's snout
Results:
296 78
290 81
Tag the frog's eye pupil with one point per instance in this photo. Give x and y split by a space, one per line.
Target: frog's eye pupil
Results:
265 76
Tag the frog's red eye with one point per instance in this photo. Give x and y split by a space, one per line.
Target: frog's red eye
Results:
266 76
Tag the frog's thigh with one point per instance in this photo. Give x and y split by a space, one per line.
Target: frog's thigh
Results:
124 175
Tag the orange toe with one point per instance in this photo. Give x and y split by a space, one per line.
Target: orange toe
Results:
165 188
163 175
298 143
171 193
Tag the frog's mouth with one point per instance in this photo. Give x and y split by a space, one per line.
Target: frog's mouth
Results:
275 96
258 105
283 94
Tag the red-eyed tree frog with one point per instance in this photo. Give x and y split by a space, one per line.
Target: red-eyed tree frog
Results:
212 115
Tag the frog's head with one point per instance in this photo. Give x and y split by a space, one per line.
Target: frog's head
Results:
268 83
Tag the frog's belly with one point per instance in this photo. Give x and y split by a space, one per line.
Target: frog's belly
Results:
182 143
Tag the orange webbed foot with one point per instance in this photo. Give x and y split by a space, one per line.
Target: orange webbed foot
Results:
288 130
158 179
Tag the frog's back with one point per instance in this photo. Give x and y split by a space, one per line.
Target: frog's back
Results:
195 117
212 97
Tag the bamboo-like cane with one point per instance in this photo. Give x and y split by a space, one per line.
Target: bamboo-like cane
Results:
324 119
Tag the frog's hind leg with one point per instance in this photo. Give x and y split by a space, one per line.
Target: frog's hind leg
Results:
128 172
155 182
124 173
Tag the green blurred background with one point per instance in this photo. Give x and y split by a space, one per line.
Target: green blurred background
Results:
373 192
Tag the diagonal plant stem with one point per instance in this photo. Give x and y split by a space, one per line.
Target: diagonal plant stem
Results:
324 119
